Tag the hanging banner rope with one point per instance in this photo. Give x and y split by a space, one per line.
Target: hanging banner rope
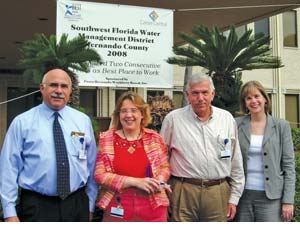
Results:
20 97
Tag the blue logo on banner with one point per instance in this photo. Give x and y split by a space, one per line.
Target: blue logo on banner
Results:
68 10
153 15
73 11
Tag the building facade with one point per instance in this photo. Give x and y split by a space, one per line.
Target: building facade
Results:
283 85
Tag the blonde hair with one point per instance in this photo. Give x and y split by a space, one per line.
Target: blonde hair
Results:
138 102
250 87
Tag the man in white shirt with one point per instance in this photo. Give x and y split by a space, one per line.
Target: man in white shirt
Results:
206 163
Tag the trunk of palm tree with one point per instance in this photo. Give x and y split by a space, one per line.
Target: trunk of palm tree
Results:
227 91
74 98
187 74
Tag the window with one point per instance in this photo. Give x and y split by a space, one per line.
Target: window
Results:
292 110
154 93
290 29
119 92
239 31
177 98
88 100
262 26
23 104
270 97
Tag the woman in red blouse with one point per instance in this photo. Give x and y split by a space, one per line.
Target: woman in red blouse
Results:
132 166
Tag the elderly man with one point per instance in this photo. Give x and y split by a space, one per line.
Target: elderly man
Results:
49 152
206 163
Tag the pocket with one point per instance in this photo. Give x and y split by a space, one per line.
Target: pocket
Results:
78 144
224 146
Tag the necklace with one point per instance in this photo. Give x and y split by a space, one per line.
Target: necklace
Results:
131 148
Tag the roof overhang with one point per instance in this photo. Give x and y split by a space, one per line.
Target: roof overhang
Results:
19 20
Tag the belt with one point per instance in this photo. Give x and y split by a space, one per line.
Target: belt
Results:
200 182
30 192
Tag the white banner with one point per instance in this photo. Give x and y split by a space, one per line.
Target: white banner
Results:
134 42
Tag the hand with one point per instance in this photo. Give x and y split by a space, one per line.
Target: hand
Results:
91 216
287 212
12 219
231 210
165 186
149 185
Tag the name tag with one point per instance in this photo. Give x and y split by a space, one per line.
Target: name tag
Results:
117 212
225 153
79 142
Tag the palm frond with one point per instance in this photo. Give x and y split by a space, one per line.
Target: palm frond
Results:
224 57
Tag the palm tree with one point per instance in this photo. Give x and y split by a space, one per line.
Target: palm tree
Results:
225 57
42 54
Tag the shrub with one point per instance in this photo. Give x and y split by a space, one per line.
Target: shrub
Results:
160 106
297 194
296 138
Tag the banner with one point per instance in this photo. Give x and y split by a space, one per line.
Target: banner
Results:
134 42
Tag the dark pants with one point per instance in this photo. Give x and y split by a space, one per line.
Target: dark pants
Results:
35 207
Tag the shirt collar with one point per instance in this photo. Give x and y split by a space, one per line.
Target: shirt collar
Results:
48 112
197 117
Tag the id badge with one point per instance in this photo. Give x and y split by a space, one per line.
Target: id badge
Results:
225 153
117 212
82 154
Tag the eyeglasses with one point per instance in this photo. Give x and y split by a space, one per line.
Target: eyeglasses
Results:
63 86
130 110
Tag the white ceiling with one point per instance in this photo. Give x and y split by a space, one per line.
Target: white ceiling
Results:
21 19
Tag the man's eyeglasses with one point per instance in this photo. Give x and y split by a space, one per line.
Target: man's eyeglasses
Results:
131 110
57 85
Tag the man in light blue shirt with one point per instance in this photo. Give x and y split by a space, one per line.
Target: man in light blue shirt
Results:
28 159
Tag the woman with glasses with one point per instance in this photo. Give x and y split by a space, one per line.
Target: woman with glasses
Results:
132 166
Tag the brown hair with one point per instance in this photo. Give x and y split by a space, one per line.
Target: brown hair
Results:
138 102
248 88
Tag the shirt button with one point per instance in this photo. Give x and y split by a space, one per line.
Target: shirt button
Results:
267 178
265 153
266 166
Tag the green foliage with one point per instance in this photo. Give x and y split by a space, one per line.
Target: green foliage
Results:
225 57
296 138
94 121
43 54
227 93
297 194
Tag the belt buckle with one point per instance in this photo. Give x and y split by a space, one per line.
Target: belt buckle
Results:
204 183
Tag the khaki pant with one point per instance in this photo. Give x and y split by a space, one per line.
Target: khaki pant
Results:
193 203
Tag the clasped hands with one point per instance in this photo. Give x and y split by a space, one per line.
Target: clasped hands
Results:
151 185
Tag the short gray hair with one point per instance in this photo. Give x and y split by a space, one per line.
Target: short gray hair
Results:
198 78
46 74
